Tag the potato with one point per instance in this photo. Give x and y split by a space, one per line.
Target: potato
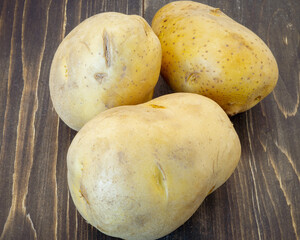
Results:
108 60
206 52
139 172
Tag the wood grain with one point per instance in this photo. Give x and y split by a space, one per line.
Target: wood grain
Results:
260 201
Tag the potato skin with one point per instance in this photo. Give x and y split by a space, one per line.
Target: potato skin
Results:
206 52
108 60
139 172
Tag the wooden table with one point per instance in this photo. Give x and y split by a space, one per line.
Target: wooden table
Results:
260 201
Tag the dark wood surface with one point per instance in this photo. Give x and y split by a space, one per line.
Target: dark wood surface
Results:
261 200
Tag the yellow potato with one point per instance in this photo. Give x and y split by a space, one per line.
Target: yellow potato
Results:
139 172
206 52
108 60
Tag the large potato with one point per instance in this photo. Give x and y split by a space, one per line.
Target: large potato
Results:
108 60
139 172
206 52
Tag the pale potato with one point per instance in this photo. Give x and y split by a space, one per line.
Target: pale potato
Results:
206 52
139 172
108 60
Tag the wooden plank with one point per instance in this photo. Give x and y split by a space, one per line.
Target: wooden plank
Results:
260 201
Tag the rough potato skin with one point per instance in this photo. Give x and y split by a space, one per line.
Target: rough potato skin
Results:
139 172
108 60
206 52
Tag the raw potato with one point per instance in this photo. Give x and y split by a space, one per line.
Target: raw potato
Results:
108 60
206 52
139 172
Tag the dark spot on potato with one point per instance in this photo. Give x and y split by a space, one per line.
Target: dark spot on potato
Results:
156 106
241 40
100 76
258 98
121 157
210 191
141 220
161 179
83 193
193 77
217 80
106 47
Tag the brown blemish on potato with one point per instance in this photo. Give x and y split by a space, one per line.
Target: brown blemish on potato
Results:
156 106
66 71
216 12
121 157
106 47
241 40
193 77
210 191
83 193
258 98
161 179
140 220
100 76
